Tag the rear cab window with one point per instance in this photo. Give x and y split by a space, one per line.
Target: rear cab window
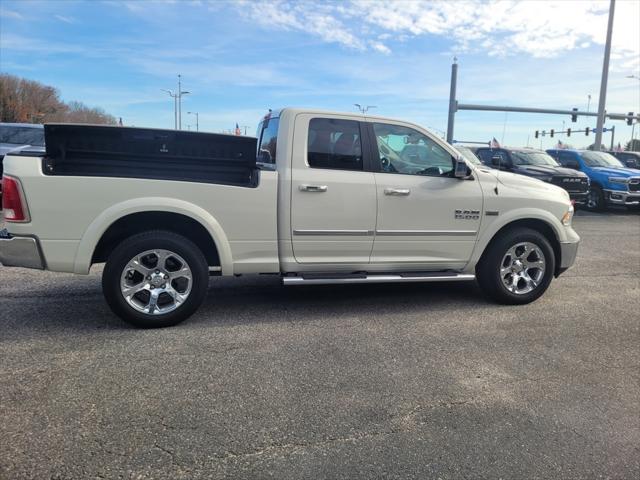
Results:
267 143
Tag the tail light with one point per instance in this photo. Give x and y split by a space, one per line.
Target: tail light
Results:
14 205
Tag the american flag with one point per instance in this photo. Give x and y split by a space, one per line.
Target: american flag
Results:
560 144
494 143
238 132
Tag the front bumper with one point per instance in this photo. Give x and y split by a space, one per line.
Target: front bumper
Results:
568 253
20 251
620 197
579 197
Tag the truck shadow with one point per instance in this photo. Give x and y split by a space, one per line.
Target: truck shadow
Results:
235 301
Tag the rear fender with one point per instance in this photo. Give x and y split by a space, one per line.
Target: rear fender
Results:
99 226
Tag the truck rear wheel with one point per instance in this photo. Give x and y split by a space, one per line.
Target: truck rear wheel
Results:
517 267
155 279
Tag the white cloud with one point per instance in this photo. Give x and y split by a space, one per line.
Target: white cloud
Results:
4 13
498 27
64 19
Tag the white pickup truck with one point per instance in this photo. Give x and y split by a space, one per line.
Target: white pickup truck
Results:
328 198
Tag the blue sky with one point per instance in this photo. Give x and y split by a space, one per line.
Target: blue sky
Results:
240 58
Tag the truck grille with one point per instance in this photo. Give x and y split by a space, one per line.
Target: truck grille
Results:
572 184
634 185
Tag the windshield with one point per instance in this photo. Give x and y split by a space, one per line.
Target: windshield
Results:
600 159
533 158
22 135
468 155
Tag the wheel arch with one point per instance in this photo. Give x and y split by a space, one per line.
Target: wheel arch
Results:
538 224
128 218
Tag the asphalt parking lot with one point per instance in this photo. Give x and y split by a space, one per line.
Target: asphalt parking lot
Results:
395 381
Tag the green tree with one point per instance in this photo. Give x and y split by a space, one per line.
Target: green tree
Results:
633 145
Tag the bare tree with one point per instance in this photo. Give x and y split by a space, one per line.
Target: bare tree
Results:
28 101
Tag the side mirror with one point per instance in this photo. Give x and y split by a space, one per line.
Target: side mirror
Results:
496 161
461 170
631 163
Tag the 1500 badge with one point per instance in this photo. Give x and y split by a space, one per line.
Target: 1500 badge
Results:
466 214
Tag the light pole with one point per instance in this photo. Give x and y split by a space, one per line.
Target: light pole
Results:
197 122
180 93
588 102
175 106
605 76
364 108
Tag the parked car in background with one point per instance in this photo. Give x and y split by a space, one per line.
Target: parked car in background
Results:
16 136
468 154
628 159
537 164
330 198
611 182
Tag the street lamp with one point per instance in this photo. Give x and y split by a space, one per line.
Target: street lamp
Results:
175 106
364 108
197 122
180 93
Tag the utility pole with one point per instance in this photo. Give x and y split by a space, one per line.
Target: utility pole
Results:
613 132
197 121
452 99
605 76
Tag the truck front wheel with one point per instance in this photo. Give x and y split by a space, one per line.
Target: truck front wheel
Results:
595 199
155 279
517 267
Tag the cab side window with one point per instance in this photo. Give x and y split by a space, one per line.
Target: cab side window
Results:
334 144
405 150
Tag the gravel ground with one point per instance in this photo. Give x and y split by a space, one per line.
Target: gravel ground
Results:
392 381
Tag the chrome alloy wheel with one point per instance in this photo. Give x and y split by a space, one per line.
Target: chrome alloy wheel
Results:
522 268
156 282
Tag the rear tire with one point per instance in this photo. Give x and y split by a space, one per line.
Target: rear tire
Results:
155 279
517 267
595 199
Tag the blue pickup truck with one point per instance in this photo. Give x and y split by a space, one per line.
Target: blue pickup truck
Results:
611 182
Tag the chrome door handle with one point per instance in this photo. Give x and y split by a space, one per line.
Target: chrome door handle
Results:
398 192
313 188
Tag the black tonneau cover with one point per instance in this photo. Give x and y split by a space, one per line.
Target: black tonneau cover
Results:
105 151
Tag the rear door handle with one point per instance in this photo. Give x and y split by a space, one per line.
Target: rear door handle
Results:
313 188
397 192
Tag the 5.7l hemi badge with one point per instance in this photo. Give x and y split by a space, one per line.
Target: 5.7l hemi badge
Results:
466 214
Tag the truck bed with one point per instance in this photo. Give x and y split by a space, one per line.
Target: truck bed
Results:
126 152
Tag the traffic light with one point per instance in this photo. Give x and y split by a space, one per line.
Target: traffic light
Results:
586 131
574 116
536 134
568 132
552 133
629 119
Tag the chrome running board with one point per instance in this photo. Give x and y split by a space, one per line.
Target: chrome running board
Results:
325 279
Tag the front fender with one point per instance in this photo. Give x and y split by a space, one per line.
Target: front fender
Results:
102 222
488 231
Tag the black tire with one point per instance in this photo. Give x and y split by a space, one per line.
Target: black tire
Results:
595 199
142 242
488 268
